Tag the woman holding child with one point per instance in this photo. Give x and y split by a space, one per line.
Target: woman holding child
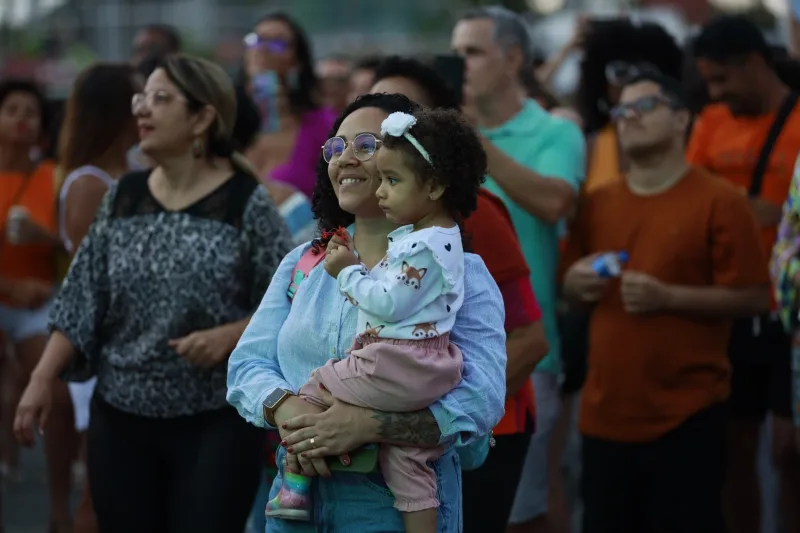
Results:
408 193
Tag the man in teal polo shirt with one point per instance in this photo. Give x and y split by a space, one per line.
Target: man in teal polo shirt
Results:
536 165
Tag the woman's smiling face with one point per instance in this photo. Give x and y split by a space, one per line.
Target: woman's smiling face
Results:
355 182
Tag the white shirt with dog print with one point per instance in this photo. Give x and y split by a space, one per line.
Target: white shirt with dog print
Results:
415 292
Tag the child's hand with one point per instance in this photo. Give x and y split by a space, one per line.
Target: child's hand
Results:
340 238
338 258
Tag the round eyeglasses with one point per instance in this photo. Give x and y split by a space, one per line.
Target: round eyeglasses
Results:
364 146
642 106
275 45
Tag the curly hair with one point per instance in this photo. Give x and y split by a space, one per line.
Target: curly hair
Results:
458 161
621 40
323 200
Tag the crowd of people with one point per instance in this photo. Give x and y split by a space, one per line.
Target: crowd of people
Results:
353 295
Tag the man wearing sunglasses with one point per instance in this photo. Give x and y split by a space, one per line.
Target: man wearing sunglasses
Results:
653 415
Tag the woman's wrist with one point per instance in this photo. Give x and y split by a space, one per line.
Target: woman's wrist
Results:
55 359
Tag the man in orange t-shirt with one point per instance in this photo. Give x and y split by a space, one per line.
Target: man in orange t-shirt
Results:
735 62
652 410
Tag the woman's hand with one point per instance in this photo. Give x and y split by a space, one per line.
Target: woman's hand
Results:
337 431
206 348
33 410
291 408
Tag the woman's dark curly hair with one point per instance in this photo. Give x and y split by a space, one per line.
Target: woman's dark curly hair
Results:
620 40
458 161
323 200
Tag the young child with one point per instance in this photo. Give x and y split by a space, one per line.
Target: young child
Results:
431 167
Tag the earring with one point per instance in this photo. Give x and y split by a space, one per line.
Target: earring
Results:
198 149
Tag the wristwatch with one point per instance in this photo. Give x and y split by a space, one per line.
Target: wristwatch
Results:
273 401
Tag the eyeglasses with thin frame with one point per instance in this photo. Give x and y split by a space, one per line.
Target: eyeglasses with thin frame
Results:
151 99
364 146
275 45
642 106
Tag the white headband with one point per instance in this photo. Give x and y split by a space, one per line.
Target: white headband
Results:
397 125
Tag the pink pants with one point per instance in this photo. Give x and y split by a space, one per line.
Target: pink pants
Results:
395 376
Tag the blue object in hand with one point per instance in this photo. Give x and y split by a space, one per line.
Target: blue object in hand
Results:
266 89
609 265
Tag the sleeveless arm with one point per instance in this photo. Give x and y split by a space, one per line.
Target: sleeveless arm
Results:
81 201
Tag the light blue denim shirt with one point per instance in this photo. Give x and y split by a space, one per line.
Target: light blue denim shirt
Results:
285 342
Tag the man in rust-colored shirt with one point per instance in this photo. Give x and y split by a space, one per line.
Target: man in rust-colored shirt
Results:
652 412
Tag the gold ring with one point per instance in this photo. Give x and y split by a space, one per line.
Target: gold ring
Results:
312 441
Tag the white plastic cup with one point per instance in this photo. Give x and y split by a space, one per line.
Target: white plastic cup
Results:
16 215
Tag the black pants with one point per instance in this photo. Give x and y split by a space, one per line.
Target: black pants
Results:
573 327
671 485
194 474
760 355
488 492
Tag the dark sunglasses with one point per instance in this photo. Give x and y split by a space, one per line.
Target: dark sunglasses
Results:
364 146
642 106
274 45
621 72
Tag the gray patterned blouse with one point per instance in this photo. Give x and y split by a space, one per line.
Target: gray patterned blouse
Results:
144 275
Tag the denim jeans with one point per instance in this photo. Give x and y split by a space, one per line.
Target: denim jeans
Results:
358 503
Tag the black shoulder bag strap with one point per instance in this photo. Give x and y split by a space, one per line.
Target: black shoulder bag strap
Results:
772 137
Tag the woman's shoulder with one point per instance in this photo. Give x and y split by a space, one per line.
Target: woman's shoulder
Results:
298 253
131 186
475 269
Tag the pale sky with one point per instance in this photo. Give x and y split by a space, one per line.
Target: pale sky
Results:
19 11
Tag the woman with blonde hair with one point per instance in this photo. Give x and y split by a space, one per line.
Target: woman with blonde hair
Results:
157 297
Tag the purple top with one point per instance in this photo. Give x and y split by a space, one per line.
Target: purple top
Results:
300 169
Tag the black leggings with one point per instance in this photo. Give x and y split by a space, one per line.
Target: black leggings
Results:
193 474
